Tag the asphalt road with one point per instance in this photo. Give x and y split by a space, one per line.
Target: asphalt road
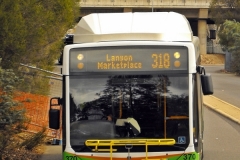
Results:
52 152
226 86
221 137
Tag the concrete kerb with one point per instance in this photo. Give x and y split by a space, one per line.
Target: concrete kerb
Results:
227 110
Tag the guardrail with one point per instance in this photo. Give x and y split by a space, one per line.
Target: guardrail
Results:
146 3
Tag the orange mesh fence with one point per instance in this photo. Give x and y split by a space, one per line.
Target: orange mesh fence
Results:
37 108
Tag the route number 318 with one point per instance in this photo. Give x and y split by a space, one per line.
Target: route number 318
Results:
161 60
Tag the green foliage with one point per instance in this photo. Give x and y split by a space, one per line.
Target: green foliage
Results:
35 140
13 32
31 33
12 116
47 21
229 35
34 82
222 10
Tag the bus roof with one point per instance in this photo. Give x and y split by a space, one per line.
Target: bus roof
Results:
154 26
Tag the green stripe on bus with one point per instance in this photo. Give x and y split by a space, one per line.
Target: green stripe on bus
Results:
185 156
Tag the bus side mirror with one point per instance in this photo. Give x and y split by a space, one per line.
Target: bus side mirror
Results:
54 114
207 86
54 118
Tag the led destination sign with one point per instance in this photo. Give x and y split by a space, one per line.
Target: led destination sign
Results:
128 59
119 62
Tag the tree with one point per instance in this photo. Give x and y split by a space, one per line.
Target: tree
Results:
229 35
137 97
221 10
12 116
31 33
12 33
47 21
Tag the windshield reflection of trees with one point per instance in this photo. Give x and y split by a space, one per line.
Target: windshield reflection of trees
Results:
142 97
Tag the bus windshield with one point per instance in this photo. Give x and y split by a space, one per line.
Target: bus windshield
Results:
148 106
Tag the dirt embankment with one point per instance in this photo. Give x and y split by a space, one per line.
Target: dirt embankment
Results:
212 59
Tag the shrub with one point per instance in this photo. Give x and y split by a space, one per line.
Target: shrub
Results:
34 140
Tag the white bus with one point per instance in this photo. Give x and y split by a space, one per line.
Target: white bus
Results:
132 89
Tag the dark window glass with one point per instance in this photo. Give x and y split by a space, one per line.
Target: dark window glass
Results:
156 105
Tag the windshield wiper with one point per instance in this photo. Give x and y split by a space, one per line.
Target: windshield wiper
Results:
179 147
81 148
